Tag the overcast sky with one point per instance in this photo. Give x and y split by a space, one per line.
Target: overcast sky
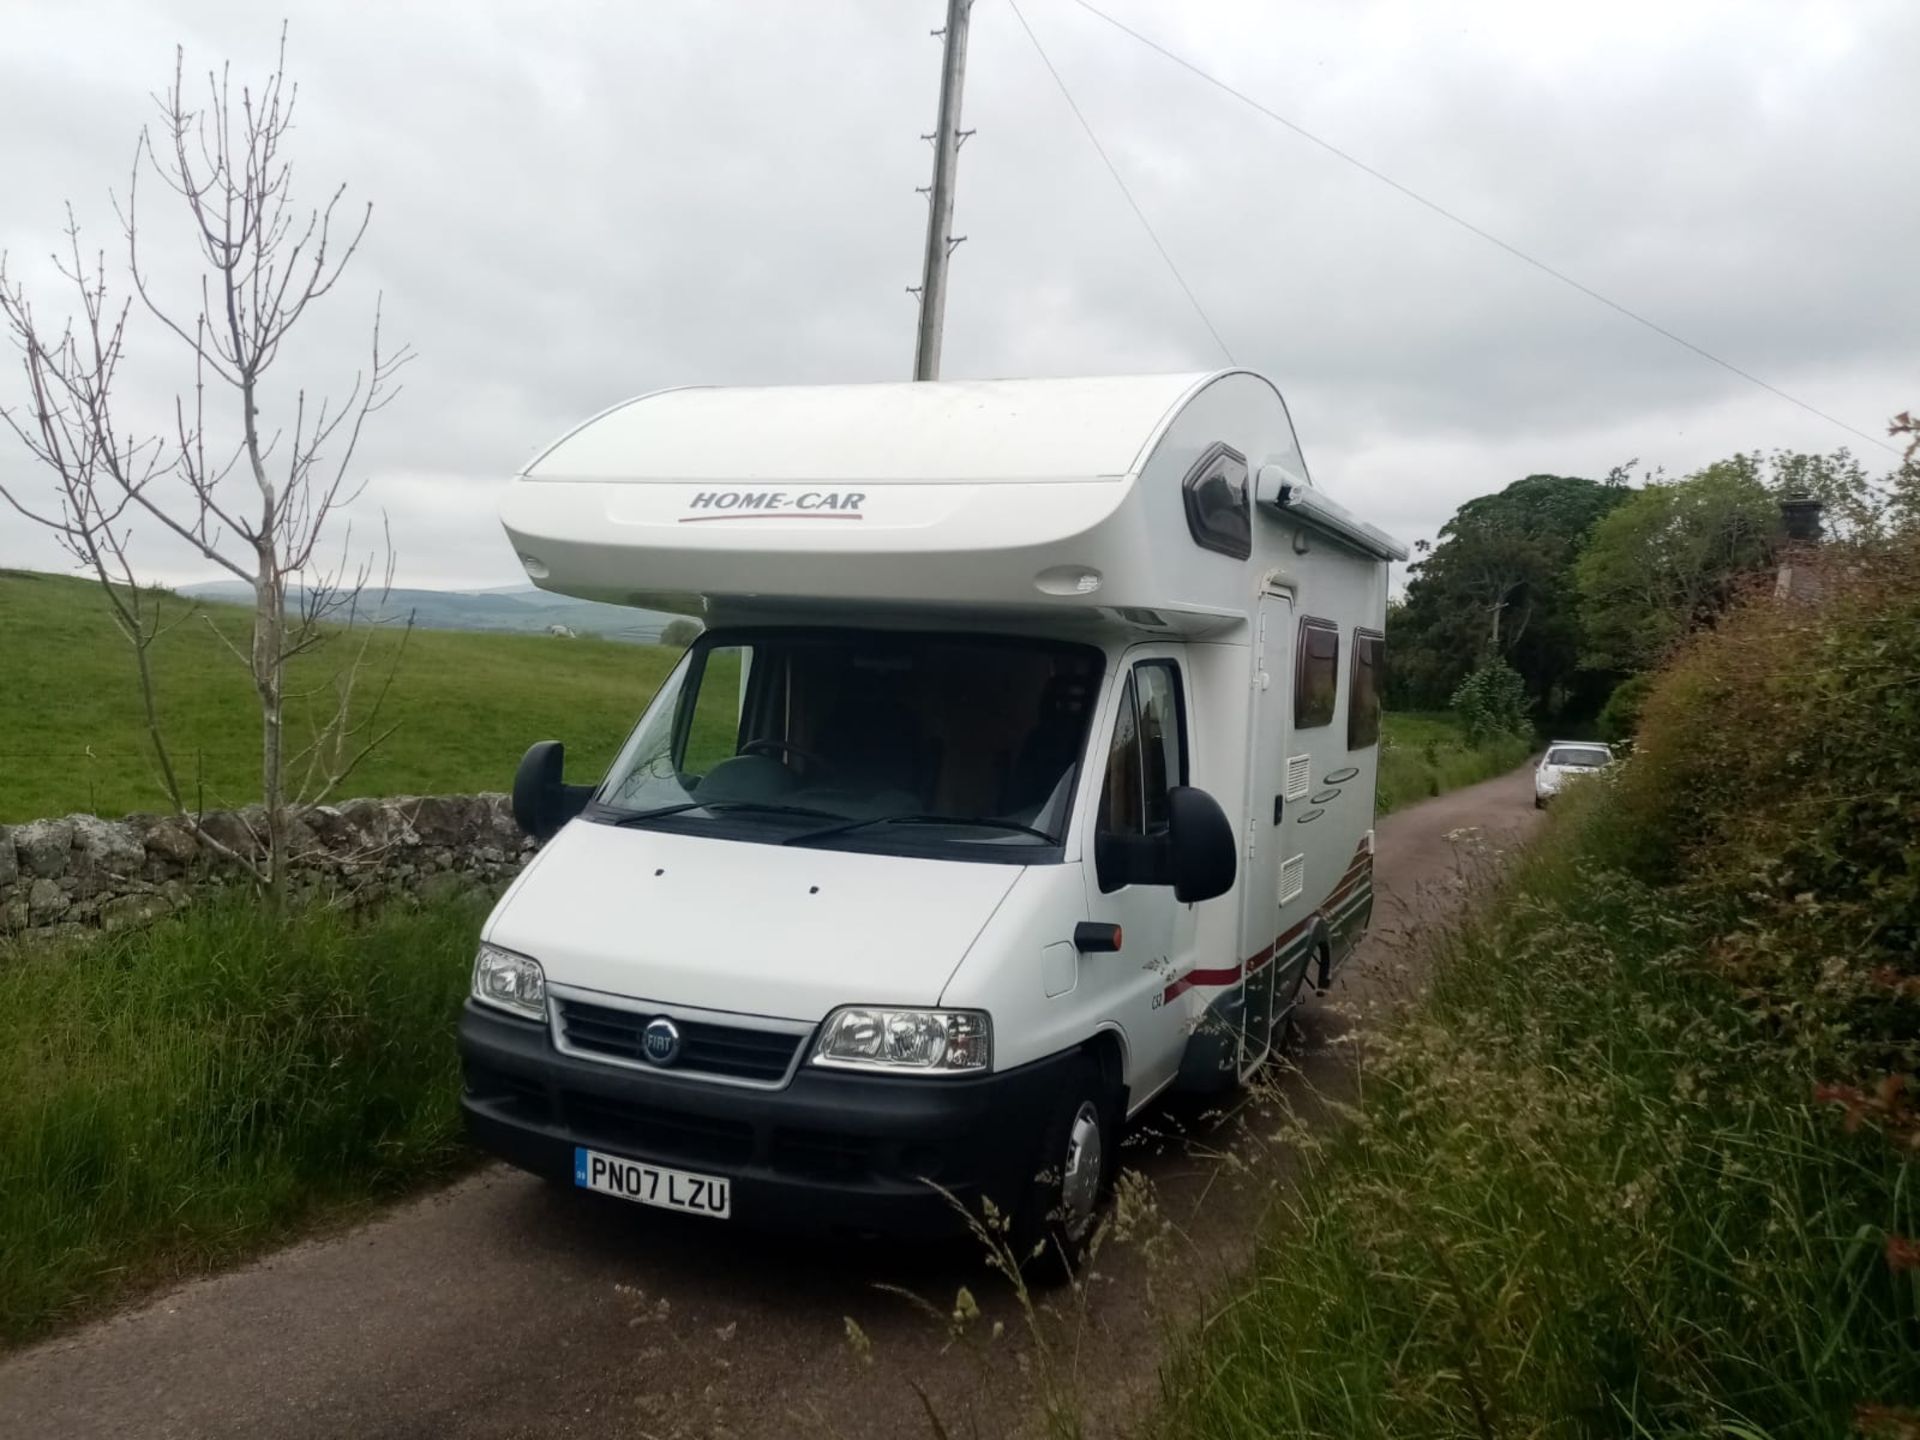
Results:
577 203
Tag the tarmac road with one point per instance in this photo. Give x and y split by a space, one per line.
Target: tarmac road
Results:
502 1306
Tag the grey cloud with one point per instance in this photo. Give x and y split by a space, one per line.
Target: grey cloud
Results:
575 205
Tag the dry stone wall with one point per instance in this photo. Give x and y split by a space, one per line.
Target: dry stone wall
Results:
63 877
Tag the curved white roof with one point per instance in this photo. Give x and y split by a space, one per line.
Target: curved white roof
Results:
976 431
1037 501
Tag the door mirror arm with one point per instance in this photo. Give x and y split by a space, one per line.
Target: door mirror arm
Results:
542 801
1204 853
1196 853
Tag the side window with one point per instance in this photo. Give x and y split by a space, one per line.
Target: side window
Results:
1369 679
1121 810
1316 681
1163 759
1219 510
1148 758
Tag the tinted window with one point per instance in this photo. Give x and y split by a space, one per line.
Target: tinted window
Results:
1148 755
1582 757
766 733
1316 683
1369 678
1147 758
1219 513
1121 808
1157 693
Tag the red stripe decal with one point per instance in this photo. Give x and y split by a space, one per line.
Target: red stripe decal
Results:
1202 977
1361 870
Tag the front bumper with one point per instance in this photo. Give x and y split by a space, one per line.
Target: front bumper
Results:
831 1151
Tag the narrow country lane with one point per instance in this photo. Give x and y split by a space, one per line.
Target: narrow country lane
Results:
505 1307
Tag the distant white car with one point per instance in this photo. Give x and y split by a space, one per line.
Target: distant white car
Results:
1566 760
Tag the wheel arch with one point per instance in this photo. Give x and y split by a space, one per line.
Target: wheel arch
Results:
1108 1047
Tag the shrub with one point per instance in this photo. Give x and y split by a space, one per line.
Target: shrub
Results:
1584 1196
1620 716
1640 1163
679 634
1491 702
1780 758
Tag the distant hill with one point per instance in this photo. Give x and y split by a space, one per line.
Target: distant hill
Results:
519 610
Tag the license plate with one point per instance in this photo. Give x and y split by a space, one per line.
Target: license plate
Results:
710 1195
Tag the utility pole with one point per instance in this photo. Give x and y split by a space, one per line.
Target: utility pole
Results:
947 138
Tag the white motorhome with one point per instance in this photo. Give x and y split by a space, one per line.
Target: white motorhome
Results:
1024 770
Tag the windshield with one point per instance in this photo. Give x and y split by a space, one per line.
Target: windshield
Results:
1578 757
928 739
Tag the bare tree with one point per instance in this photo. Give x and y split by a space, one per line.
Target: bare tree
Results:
254 498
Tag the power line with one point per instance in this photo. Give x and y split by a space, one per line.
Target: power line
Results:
1112 170
1468 225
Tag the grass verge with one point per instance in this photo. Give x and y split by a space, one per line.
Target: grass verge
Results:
1426 754
174 1098
1583 1195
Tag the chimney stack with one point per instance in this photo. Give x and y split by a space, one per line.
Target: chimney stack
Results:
1801 517
1794 579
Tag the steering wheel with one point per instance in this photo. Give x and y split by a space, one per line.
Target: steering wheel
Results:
790 750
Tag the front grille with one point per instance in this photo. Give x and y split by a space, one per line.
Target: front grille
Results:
822 1152
732 1051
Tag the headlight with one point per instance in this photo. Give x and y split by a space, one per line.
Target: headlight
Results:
512 982
863 1037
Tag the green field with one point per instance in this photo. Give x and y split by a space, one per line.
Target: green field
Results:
467 706
1423 754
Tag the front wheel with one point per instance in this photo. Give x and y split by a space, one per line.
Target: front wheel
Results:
1079 1153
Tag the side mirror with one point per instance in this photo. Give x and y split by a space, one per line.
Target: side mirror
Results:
1206 856
542 803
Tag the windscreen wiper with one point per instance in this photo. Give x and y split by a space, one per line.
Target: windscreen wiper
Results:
981 822
762 806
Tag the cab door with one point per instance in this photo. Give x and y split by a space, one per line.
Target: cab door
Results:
1144 745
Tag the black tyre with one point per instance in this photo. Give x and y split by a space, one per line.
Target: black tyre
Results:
1079 1156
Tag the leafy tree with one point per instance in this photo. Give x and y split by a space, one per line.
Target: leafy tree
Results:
1620 716
679 633
1903 500
1670 558
1851 505
1496 585
1492 702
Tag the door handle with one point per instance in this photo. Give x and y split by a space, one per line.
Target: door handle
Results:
1279 803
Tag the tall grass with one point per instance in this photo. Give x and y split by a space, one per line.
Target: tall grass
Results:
1594 1184
178 1096
1423 755
1582 1196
